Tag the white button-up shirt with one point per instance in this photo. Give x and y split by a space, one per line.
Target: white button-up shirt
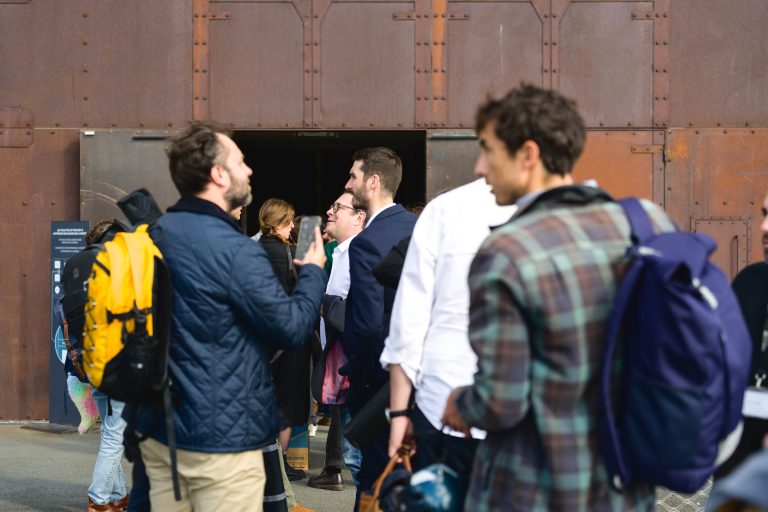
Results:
338 281
430 317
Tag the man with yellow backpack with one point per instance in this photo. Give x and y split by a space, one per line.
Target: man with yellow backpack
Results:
228 310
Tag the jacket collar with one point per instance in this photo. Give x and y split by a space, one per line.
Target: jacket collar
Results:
568 196
397 208
197 205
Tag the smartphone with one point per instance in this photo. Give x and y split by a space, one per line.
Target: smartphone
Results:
306 234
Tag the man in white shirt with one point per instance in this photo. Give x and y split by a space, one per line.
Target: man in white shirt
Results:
428 346
344 223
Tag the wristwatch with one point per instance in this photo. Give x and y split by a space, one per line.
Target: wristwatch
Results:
394 414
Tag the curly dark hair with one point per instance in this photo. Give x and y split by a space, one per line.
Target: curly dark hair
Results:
383 162
543 116
191 155
99 231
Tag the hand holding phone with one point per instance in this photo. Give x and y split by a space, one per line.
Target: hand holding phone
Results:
306 235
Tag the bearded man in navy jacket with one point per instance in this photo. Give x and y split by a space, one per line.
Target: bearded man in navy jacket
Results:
229 312
373 181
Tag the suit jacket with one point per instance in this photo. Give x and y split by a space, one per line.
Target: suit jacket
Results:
369 304
541 290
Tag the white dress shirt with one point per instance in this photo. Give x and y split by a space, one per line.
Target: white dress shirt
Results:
430 317
338 281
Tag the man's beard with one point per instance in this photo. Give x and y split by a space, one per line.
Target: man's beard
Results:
765 248
238 194
359 203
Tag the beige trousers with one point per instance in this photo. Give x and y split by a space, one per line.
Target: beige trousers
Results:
209 482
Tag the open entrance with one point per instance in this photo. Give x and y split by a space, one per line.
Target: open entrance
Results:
309 169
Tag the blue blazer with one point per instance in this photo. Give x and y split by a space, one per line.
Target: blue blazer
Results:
369 304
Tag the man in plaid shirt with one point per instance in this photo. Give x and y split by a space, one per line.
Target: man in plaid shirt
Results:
541 290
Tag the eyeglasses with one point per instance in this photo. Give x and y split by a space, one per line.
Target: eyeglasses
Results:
335 207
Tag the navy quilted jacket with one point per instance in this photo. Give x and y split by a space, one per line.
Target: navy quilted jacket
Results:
228 307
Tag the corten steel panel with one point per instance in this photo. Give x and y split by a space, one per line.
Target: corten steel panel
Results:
139 62
718 63
81 62
609 158
366 71
720 173
732 237
451 157
39 185
40 52
497 47
606 61
114 163
257 67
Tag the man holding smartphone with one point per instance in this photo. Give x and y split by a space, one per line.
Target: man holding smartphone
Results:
373 181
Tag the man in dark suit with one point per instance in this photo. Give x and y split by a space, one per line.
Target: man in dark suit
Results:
373 181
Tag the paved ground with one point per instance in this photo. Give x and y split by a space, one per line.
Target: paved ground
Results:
41 471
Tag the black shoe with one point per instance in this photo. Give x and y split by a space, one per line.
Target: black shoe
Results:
292 473
330 481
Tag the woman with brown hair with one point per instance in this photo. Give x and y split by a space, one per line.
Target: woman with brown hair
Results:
290 369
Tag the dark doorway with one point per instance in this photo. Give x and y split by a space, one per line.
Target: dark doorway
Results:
309 169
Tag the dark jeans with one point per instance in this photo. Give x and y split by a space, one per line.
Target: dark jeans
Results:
433 446
138 500
333 458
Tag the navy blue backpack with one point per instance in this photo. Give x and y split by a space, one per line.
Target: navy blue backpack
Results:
679 350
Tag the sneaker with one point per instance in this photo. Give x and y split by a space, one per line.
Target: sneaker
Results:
330 481
312 430
301 508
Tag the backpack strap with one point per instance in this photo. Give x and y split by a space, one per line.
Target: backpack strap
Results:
639 222
618 472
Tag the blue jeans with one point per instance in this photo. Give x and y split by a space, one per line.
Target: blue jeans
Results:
108 482
352 456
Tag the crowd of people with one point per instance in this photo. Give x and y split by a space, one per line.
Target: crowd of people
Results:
489 335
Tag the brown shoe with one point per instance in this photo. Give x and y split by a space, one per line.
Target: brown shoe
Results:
327 480
121 504
324 421
94 507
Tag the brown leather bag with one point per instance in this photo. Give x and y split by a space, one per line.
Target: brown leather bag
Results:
370 502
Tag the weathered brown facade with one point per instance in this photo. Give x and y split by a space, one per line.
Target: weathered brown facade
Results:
674 92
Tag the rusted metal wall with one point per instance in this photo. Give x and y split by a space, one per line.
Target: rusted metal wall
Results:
673 92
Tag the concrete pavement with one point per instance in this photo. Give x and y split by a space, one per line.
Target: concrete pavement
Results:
41 471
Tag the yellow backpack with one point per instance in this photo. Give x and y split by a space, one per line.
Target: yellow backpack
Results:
128 318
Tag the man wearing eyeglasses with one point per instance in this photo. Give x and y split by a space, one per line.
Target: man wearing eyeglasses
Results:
343 224
373 181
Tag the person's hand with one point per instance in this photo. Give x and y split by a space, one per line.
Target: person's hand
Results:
315 254
451 416
400 429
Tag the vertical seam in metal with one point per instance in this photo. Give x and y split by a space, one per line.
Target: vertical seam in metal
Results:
319 8
558 8
661 63
200 61
439 65
423 62
304 10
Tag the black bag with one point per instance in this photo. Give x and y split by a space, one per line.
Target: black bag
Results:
370 422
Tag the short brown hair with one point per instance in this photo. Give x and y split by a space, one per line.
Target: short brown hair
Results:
273 214
191 155
383 162
543 116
